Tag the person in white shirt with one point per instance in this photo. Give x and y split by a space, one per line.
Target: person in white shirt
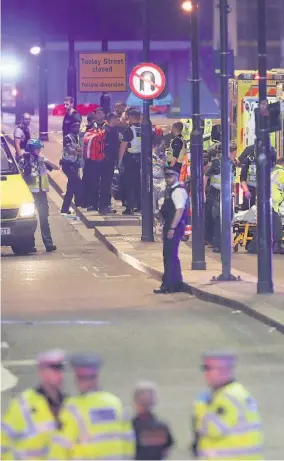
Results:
174 212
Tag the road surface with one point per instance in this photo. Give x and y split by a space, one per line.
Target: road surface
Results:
82 298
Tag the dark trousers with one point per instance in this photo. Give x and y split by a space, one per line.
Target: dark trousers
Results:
74 187
42 207
249 203
277 227
209 221
87 183
132 172
172 277
99 180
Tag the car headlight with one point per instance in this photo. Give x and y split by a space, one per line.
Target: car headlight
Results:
27 210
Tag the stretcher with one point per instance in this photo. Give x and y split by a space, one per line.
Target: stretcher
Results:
244 228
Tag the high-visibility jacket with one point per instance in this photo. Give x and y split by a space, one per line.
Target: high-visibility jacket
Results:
228 425
251 176
93 426
34 172
135 144
27 427
185 169
277 187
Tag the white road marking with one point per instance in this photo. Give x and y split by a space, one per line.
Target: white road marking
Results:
19 363
116 276
8 380
96 268
85 268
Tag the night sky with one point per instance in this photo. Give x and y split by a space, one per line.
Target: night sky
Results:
91 20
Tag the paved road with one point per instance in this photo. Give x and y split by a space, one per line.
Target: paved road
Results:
139 335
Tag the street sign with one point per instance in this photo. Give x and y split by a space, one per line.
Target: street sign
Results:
147 81
102 72
217 62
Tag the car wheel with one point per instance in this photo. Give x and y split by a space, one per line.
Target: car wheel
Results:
23 247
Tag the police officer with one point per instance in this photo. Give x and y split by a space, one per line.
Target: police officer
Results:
248 180
277 192
71 163
21 135
32 417
226 422
71 116
174 213
177 150
130 160
212 197
34 169
153 437
93 424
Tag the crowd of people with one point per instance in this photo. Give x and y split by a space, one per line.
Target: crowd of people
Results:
44 423
103 159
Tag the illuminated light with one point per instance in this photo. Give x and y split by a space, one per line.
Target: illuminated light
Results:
187 6
27 210
51 106
9 68
35 50
14 92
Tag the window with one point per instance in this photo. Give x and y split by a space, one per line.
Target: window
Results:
8 165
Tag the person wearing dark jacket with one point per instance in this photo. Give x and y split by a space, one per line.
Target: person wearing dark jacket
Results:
70 117
153 437
112 144
71 163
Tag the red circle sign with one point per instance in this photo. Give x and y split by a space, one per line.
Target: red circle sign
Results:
147 81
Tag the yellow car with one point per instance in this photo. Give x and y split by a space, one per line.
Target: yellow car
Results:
18 218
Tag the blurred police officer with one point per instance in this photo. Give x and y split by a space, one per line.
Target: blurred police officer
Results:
226 422
32 417
212 197
93 424
174 213
21 135
248 179
130 160
153 437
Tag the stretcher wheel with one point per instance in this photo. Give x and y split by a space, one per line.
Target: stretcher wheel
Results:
236 248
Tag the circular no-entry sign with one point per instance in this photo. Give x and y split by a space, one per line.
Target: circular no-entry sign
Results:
147 81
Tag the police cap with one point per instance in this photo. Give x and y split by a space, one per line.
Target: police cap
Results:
52 358
225 358
85 364
170 170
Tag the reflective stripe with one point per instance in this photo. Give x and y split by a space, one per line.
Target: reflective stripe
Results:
31 429
28 454
229 453
247 427
84 433
113 436
9 431
4 449
212 418
60 440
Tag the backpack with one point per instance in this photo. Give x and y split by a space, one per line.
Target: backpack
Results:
93 145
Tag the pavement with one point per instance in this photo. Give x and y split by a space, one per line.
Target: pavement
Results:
84 298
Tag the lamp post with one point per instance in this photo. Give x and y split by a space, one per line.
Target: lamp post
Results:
146 145
71 71
226 167
40 51
196 146
264 260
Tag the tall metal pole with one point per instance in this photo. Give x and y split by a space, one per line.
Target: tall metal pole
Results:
71 72
146 139
264 260
43 93
226 167
196 149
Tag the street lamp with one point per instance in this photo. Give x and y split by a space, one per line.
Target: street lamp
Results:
35 50
196 145
187 6
10 68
